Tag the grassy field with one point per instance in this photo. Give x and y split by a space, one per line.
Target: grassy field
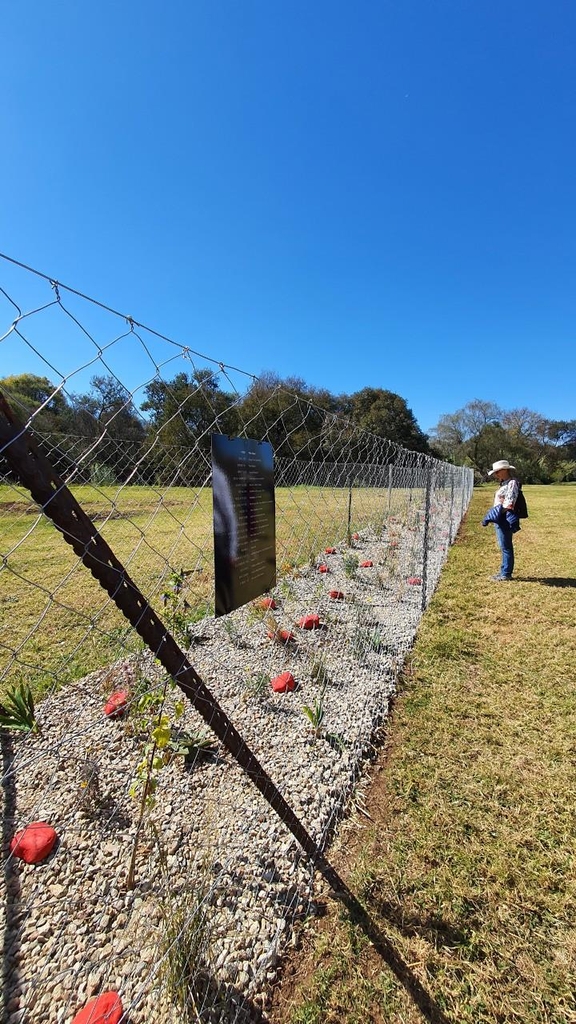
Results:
467 861
57 624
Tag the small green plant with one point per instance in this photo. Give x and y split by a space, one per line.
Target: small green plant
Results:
18 712
177 608
319 672
367 636
257 685
233 632
90 796
315 715
286 587
155 724
189 745
350 565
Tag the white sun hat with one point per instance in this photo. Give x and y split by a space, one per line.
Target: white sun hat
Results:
502 464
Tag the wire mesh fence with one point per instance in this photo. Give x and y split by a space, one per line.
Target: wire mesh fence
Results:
192 767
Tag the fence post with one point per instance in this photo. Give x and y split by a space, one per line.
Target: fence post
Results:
426 533
390 469
451 527
349 530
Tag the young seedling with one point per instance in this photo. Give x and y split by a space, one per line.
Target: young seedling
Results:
319 672
234 633
315 715
257 685
190 746
18 712
350 565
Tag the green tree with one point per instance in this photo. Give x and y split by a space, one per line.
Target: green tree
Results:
481 432
386 414
28 393
107 408
184 412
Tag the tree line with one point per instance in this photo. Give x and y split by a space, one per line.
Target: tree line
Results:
542 450
179 415
183 412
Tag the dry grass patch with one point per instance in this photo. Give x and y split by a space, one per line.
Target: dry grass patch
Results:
469 867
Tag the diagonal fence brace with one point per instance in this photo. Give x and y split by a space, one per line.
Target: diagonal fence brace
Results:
50 492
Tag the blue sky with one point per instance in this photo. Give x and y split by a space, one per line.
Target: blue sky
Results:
378 193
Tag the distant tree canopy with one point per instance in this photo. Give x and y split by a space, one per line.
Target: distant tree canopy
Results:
386 414
481 432
299 420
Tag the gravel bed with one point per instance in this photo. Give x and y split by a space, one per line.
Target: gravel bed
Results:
214 863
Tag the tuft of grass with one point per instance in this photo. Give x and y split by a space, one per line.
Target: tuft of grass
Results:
184 950
467 870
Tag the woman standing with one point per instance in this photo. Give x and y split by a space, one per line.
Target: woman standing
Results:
504 516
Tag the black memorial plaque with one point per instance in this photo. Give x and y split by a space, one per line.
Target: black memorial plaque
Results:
244 520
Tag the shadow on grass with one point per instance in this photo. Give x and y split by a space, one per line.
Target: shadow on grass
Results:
386 950
432 928
548 581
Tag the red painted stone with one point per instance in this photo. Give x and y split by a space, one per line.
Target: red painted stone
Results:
284 636
366 565
267 603
309 622
116 704
323 568
329 551
355 536
336 595
33 843
103 1009
415 580
284 682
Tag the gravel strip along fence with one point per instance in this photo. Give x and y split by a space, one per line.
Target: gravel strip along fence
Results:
219 880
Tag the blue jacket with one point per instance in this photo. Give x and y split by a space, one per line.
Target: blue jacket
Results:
506 518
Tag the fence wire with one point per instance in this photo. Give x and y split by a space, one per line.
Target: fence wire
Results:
173 882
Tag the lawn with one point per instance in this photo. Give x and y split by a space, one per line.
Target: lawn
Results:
57 624
464 854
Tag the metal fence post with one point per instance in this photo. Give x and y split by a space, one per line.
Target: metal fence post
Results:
426 533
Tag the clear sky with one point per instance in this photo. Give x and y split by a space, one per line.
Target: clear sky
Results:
371 193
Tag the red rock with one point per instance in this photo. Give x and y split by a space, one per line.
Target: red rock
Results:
283 636
366 565
267 603
33 843
336 595
116 704
309 622
329 551
355 536
415 580
284 682
323 568
103 1009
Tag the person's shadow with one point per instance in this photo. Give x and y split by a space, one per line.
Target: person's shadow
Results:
548 581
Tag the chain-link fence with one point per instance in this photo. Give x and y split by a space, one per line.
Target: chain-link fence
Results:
192 768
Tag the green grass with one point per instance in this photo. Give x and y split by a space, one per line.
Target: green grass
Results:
58 624
468 869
